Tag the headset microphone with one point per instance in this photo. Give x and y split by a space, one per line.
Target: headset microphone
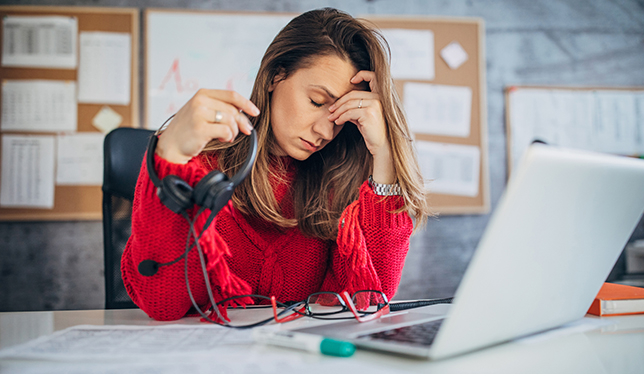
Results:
148 267
212 192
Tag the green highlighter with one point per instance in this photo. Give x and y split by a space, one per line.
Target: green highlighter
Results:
306 342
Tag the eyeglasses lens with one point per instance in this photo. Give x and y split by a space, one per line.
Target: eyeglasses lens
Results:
325 304
369 300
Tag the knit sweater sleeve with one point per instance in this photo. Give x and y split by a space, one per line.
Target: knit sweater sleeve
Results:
372 245
160 235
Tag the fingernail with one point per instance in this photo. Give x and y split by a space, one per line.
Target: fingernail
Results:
255 110
250 126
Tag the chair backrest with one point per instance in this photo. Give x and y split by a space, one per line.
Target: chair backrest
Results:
123 153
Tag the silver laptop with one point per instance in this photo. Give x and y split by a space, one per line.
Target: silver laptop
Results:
556 233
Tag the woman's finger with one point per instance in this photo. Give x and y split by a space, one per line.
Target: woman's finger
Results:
244 123
352 115
370 124
366 76
351 96
356 103
216 111
228 115
222 132
212 128
233 98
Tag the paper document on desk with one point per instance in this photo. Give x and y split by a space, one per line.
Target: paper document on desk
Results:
86 342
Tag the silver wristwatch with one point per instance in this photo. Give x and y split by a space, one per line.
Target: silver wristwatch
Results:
384 189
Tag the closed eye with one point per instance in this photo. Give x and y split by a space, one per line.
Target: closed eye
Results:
318 105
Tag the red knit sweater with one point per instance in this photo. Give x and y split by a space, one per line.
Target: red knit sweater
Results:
248 255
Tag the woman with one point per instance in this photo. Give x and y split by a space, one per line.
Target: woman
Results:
330 200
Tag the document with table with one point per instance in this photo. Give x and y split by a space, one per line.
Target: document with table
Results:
90 342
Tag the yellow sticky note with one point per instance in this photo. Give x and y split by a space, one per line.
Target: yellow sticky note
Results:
107 119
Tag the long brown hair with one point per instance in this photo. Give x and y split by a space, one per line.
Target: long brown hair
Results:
329 180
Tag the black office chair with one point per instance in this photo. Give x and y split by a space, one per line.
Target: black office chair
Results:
123 150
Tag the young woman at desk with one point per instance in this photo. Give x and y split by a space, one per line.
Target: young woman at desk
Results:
329 203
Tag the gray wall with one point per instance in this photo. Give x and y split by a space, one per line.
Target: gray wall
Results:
46 266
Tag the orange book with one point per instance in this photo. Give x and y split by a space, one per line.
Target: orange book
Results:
618 299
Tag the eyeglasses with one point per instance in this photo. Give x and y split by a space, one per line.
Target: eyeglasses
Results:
364 305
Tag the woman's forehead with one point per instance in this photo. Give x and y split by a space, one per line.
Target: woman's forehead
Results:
330 74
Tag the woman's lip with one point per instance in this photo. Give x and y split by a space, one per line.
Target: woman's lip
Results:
308 145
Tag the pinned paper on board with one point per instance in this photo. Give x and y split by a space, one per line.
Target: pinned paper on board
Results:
450 169
39 105
27 179
107 119
104 73
412 53
80 159
40 41
610 121
438 109
454 55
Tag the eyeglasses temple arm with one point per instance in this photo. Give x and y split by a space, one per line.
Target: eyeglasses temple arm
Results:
367 318
296 314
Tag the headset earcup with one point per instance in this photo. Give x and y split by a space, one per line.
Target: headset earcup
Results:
176 194
212 190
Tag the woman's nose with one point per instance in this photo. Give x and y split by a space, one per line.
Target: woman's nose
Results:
324 128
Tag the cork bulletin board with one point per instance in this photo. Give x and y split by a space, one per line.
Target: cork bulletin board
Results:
469 33
76 202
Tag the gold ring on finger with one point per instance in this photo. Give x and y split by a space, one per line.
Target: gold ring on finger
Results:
360 104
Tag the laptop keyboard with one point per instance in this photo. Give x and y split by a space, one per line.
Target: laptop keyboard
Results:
422 334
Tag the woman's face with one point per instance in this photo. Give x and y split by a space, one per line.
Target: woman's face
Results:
300 106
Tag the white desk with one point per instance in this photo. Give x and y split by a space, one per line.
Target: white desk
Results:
616 348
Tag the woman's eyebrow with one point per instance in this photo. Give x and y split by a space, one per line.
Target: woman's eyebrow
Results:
331 95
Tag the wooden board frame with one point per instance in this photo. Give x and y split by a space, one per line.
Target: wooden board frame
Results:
77 202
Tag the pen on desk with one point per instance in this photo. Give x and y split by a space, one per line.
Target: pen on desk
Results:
306 342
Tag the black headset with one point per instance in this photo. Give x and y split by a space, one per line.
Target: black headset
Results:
212 192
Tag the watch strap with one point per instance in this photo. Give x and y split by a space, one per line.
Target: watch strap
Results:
384 189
